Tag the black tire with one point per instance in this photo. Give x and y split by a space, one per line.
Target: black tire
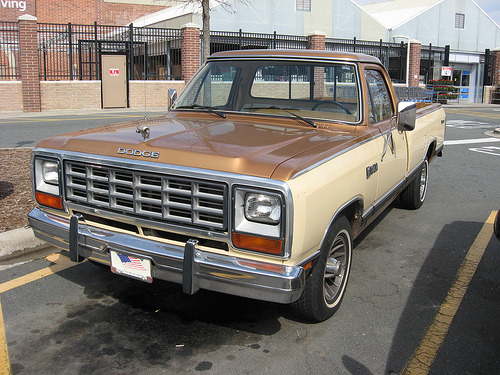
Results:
326 285
413 196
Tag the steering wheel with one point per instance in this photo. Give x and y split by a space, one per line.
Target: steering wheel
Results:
331 102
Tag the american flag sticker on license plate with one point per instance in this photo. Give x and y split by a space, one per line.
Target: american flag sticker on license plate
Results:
131 266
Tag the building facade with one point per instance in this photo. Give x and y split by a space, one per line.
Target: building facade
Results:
79 26
83 12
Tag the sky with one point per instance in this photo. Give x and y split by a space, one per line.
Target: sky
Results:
492 7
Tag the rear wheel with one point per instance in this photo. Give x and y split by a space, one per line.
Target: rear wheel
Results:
414 195
326 285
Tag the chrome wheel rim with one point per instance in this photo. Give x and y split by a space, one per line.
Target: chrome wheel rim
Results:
423 182
336 269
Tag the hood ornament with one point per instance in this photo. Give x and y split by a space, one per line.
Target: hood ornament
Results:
144 130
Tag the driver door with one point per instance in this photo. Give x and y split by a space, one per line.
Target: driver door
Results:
391 142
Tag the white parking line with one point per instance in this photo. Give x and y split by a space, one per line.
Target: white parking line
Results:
490 150
470 141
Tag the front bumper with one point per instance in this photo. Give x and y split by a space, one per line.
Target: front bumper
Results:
193 268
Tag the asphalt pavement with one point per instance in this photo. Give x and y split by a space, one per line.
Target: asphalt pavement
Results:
27 129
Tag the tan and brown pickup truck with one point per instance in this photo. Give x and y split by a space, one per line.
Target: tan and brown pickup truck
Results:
256 182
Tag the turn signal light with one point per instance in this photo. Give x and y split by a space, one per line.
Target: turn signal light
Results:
264 245
49 200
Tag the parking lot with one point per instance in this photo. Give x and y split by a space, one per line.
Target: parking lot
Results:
423 296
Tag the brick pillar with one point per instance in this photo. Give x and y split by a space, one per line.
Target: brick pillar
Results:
316 40
495 68
190 50
415 51
29 63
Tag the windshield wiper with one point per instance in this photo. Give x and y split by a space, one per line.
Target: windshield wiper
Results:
199 106
307 121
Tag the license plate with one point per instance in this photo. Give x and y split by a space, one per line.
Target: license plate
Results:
131 266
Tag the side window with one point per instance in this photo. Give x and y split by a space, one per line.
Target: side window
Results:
379 100
214 87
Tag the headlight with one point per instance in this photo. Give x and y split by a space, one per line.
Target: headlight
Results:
50 172
47 190
258 220
263 208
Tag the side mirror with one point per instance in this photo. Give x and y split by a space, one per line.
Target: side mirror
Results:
407 115
172 97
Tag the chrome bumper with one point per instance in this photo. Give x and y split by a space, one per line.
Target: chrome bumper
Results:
193 268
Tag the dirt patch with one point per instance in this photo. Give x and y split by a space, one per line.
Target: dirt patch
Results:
16 197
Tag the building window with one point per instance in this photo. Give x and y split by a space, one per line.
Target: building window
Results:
303 5
459 21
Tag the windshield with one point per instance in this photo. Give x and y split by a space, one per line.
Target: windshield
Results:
317 91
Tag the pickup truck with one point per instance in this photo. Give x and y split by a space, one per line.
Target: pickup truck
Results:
255 183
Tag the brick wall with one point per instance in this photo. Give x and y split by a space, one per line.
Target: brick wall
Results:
151 93
496 67
87 94
79 11
11 13
28 49
123 14
316 40
57 11
12 96
70 95
190 50
415 51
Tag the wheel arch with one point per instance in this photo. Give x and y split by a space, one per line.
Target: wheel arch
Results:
431 150
353 211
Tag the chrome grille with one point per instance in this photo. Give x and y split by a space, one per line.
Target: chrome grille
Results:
155 196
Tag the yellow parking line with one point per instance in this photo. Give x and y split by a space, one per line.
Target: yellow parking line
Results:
473 113
424 355
4 352
60 261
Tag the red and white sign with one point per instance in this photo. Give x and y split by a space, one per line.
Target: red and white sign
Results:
446 71
114 72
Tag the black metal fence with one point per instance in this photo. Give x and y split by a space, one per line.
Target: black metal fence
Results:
73 52
227 41
392 55
10 69
430 57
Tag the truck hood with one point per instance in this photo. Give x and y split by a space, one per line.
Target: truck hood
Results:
253 145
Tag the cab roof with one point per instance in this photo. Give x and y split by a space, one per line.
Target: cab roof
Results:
308 54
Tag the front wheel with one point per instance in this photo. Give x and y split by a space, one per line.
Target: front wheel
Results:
414 195
326 285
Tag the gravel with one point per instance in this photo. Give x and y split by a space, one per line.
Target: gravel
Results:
16 197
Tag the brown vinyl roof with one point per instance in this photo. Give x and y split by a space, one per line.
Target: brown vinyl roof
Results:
295 53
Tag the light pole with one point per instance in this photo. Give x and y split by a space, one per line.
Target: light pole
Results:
407 57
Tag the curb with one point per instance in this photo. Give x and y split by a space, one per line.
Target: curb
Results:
17 242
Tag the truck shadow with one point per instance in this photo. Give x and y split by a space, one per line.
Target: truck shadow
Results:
429 290
157 321
137 324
